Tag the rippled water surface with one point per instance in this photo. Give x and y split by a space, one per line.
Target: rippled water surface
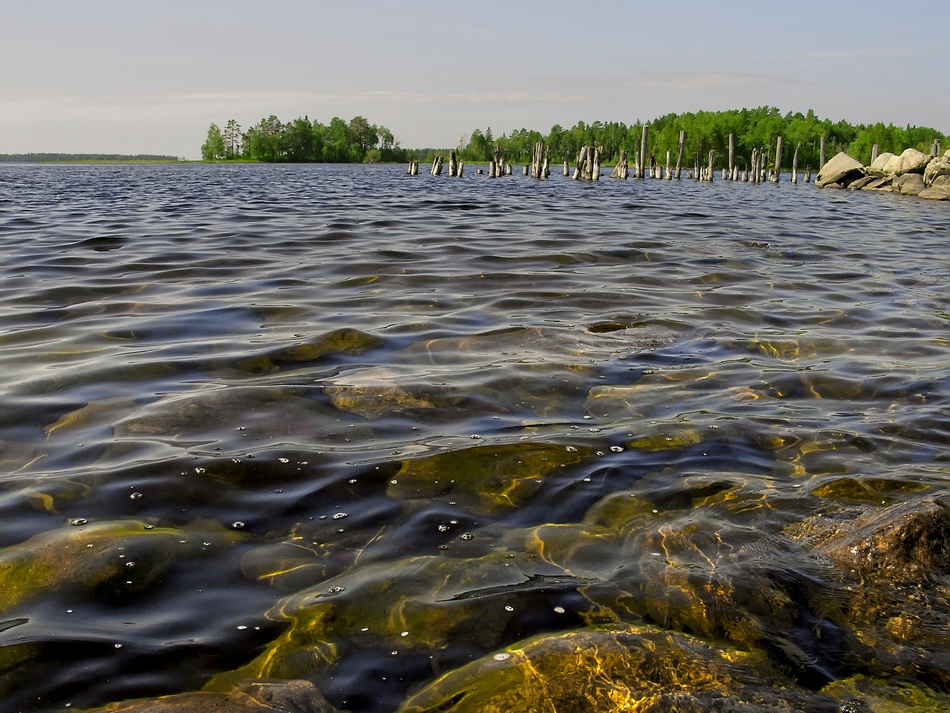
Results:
345 425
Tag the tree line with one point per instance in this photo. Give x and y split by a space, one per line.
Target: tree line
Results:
357 140
706 131
303 141
81 157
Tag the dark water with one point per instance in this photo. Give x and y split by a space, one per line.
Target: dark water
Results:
231 394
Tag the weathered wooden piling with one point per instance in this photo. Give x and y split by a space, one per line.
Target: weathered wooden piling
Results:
777 173
668 174
413 169
712 155
567 170
436 169
874 150
795 163
641 167
453 165
754 167
588 164
539 162
679 154
732 149
696 173
620 170
821 153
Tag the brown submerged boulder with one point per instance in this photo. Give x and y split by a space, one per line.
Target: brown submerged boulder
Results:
906 542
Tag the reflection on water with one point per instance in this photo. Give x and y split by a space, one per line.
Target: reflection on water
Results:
343 425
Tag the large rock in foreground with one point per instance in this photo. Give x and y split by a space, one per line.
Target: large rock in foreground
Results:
842 169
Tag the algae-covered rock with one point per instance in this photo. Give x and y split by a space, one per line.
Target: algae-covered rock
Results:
260 696
111 558
862 694
905 542
420 604
631 669
344 341
376 392
485 479
234 416
892 566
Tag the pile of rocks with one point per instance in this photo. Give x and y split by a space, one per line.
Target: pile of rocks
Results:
913 173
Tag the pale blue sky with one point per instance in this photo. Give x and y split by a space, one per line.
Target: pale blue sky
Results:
124 76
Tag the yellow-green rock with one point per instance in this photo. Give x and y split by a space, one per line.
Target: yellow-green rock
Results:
484 479
630 670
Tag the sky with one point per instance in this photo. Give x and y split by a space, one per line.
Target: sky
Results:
149 77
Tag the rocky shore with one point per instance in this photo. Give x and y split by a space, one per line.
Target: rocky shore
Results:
913 173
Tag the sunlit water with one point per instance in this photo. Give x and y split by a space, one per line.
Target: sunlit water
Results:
320 381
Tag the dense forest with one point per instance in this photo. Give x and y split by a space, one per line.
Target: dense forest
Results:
302 140
708 131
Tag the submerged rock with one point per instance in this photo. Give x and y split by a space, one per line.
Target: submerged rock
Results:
905 542
95 559
260 696
636 668
486 480
416 605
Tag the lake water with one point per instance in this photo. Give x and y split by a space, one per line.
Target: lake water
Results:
340 424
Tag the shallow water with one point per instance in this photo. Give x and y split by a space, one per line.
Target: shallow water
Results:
330 382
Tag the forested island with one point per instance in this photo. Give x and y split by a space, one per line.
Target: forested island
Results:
359 141
83 158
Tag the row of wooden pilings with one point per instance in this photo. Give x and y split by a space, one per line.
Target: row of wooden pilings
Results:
587 166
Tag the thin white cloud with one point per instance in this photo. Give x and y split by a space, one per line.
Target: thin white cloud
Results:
710 80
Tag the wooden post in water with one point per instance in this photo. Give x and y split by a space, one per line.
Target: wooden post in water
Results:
413 168
539 164
795 163
669 172
567 170
580 163
696 174
679 154
777 173
821 153
595 168
755 166
712 155
620 170
732 148
641 169
453 165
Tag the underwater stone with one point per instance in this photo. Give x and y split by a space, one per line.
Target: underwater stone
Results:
259 696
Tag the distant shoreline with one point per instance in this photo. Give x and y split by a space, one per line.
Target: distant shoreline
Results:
86 158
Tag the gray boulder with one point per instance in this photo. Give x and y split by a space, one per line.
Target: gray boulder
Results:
877 166
910 161
910 184
840 169
939 166
939 190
